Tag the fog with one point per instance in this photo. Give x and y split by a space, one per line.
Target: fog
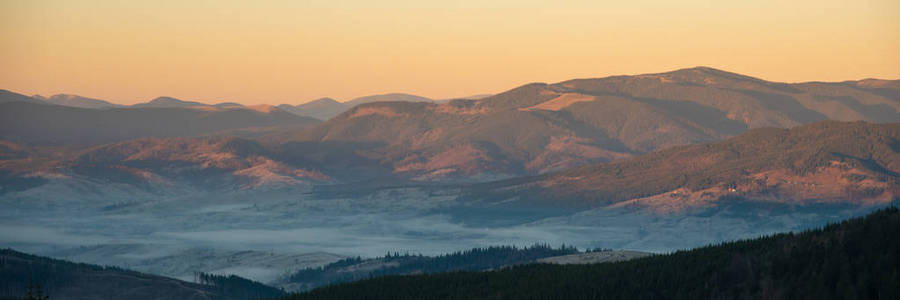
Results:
266 234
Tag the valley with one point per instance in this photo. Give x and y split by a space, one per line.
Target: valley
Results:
636 165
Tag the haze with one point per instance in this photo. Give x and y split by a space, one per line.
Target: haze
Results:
296 51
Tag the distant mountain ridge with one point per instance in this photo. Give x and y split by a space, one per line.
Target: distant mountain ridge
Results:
44 124
322 109
77 101
327 108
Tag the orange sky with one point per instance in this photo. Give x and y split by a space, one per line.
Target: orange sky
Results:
294 51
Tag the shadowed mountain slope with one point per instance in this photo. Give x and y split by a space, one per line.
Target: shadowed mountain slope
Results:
63 280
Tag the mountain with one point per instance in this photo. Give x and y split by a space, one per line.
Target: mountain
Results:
392 97
470 97
226 105
77 101
63 280
539 128
322 109
7 96
852 259
168 102
327 108
825 162
60 125
530 130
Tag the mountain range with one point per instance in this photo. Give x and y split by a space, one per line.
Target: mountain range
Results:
653 162
530 130
538 128
322 109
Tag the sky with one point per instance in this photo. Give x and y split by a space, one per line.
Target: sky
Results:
271 51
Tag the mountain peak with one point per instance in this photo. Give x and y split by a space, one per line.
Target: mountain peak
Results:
165 101
706 73
323 100
390 97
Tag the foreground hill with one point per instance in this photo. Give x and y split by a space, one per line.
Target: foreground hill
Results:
63 280
60 125
478 259
826 162
857 258
539 128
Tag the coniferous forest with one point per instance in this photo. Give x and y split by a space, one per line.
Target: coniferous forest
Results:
854 259
477 259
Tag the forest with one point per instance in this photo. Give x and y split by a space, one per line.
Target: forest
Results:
853 259
477 259
26 276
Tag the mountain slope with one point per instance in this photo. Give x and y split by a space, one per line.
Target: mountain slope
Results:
57 125
852 259
823 162
537 128
64 280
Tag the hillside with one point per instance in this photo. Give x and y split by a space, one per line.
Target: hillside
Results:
853 259
539 128
63 280
826 162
